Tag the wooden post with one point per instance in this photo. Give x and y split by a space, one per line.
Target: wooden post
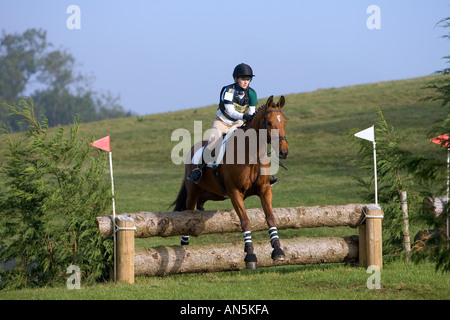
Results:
374 245
125 249
362 256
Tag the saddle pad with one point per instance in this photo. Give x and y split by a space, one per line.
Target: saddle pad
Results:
197 158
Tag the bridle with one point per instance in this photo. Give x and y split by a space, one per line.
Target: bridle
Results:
264 126
269 138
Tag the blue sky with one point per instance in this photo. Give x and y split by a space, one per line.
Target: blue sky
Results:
170 55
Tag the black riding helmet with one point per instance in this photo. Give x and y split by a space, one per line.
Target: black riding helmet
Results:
243 71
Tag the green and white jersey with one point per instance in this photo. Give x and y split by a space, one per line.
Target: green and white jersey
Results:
235 102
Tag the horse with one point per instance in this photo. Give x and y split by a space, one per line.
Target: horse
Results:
238 181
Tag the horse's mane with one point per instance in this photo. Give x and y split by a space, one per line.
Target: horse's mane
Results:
246 125
261 108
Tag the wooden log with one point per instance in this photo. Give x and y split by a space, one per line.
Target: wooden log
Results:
165 260
125 249
195 223
374 244
406 236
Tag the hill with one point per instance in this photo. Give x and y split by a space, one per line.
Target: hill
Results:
320 168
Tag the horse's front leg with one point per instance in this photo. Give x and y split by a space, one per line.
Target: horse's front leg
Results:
266 202
237 200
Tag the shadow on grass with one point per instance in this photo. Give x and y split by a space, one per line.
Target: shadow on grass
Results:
282 270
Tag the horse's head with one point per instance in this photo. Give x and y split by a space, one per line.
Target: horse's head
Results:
275 120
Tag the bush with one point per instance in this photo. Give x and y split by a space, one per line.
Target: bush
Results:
52 189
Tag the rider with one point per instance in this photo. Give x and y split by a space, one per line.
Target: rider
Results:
237 102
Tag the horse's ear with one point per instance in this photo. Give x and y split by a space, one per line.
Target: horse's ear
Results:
281 102
269 102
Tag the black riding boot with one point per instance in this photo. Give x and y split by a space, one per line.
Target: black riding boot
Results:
273 180
197 173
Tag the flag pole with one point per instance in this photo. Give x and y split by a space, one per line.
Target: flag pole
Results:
114 214
448 184
104 144
375 170
369 134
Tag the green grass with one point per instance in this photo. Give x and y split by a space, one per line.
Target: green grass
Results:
316 282
320 172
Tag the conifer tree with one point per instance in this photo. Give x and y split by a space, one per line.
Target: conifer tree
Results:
393 178
53 187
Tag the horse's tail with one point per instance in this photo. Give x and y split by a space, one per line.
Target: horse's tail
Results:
180 202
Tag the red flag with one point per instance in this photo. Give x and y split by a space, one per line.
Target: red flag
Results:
442 140
102 143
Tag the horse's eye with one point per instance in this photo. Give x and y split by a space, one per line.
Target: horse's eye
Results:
269 123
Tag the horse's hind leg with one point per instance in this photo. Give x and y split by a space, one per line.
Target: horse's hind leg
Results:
191 201
250 258
184 240
201 206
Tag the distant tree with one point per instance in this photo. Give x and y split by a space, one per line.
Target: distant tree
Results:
26 63
20 59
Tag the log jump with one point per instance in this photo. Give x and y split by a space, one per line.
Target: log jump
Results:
196 223
164 260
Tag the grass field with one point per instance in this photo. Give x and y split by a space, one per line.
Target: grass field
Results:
320 172
334 281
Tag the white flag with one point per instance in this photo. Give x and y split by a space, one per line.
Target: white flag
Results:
367 134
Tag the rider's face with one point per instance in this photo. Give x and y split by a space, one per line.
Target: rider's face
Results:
243 82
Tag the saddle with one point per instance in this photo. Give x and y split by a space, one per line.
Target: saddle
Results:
198 158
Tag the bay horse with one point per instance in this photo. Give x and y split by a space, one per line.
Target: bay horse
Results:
238 181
